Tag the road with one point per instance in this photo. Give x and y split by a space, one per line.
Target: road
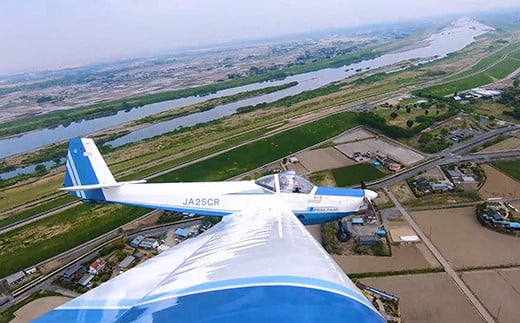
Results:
444 263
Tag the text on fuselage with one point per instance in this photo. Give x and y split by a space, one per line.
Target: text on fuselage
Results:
201 201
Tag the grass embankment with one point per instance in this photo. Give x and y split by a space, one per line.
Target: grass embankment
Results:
43 239
43 207
512 168
65 117
354 174
486 71
23 194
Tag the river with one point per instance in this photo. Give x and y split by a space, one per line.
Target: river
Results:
459 35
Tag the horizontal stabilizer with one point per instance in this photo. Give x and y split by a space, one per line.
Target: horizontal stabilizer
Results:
98 186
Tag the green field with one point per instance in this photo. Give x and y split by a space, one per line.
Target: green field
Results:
43 239
251 156
511 168
354 174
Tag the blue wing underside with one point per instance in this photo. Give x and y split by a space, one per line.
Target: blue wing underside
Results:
257 265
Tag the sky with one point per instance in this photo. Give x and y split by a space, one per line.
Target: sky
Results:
50 34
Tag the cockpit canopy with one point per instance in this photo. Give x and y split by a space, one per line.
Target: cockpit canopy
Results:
289 182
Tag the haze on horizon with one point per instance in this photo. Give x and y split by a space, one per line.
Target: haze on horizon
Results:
52 34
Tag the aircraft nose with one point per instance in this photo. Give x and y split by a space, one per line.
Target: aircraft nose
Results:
370 194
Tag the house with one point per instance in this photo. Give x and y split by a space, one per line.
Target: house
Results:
136 241
96 266
455 174
74 272
86 279
126 262
422 184
138 255
394 167
149 243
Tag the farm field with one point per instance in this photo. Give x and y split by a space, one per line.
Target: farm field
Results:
509 167
354 174
512 143
476 246
498 184
497 290
37 308
427 298
357 134
325 158
404 257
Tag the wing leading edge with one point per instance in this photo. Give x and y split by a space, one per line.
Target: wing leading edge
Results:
257 265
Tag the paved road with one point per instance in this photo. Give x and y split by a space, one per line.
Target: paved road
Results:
444 263
455 154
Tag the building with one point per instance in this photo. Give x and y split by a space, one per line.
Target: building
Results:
96 266
493 215
74 272
136 241
126 262
182 233
138 255
149 243
367 240
441 187
455 175
394 167
359 221
422 184
15 278
86 279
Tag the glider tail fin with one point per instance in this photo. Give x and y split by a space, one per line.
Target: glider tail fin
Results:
86 171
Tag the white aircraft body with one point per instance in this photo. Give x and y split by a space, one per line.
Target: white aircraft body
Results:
258 264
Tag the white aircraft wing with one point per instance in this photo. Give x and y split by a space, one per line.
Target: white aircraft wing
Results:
259 265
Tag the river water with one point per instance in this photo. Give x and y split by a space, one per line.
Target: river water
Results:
457 36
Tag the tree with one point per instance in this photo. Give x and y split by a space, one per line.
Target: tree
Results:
40 168
409 123
408 109
398 107
393 115
437 112
426 112
425 138
445 131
